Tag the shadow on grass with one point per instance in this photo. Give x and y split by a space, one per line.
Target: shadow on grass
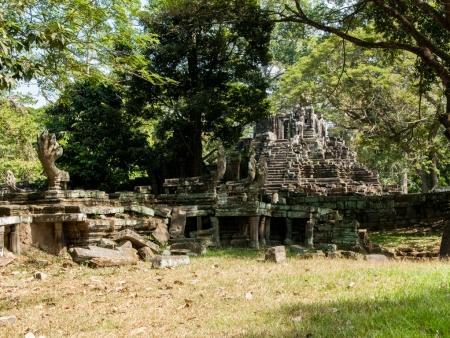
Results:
395 238
230 252
423 315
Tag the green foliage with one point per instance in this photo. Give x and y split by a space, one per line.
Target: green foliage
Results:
374 101
214 52
19 127
103 145
58 41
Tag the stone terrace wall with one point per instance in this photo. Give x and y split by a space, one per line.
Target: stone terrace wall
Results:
384 212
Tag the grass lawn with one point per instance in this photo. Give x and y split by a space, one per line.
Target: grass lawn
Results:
415 239
229 293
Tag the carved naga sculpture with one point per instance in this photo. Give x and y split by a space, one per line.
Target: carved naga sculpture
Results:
252 166
221 163
10 182
261 170
49 151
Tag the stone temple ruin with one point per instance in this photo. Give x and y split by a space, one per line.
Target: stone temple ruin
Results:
289 184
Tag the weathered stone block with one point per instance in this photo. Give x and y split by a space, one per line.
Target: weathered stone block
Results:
161 234
102 257
160 262
276 254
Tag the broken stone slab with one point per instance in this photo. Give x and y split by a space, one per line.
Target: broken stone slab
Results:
195 247
7 320
102 257
140 209
107 243
137 240
124 245
376 258
161 234
146 254
177 223
276 254
160 262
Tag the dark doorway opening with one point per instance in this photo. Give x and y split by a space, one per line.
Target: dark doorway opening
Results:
298 230
191 226
277 230
232 228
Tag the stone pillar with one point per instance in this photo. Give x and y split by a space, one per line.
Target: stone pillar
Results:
267 230
14 239
216 234
309 234
262 228
253 222
199 223
2 240
288 238
59 237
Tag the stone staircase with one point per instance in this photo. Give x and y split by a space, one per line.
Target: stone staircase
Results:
314 166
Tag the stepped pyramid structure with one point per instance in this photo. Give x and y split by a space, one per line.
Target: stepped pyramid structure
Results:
302 158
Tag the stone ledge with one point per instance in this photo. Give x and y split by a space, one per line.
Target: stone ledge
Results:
10 220
48 218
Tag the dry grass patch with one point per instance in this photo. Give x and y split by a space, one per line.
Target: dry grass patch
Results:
228 293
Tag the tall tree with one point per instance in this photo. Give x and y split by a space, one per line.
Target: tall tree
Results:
416 26
376 101
104 146
214 52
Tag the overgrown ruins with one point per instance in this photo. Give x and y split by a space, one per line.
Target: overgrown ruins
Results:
289 184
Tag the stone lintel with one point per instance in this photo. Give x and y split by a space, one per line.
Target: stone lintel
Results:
10 220
101 210
49 218
112 222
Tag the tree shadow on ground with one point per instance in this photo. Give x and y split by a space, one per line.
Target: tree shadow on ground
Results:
230 252
422 315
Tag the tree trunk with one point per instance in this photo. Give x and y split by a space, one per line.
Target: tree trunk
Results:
404 186
444 119
196 167
434 174
196 148
445 243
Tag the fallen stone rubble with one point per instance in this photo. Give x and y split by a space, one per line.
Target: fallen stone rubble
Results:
128 247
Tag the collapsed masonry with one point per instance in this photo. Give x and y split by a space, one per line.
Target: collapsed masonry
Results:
290 183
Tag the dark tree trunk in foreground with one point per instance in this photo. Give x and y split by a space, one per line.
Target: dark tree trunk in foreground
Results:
445 243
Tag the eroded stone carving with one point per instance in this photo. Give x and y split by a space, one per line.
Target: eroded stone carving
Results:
49 151
10 182
252 166
261 172
221 163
